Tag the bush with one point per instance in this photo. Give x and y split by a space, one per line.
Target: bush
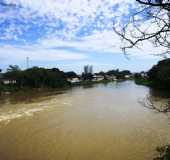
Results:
160 74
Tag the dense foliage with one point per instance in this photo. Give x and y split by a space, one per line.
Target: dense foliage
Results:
37 77
119 74
71 74
159 75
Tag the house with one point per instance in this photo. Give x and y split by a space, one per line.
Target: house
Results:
110 77
98 77
73 80
8 81
144 74
127 76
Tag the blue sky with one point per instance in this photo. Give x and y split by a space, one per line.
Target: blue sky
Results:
68 34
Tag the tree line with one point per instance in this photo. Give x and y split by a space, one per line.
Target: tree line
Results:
36 77
158 76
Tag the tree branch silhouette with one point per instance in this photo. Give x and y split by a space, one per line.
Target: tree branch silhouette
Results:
150 22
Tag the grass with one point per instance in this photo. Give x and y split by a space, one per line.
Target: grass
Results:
143 82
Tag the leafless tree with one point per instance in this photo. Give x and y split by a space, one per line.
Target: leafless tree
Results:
150 22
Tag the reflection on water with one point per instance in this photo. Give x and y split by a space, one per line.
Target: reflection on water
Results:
101 122
28 96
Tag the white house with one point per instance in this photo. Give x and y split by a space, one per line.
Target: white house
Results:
127 76
111 77
98 78
73 80
8 81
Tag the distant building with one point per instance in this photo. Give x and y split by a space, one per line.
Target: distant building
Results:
127 76
8 81
87 75
88 69
85 69
144 74
110 77
98 77
74 80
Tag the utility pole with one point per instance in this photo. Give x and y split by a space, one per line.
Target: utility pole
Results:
27 62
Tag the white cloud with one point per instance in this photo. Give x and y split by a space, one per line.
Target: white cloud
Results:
10 53
75 14
61 7
98 42
103 42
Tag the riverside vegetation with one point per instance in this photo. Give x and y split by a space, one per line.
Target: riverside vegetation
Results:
158 77
37 77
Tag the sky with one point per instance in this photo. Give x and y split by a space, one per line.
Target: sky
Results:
68 34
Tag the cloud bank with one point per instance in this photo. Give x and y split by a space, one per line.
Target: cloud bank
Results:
54 30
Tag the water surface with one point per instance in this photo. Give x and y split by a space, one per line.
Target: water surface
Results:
101 122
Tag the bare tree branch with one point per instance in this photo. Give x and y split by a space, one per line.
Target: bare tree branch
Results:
151 22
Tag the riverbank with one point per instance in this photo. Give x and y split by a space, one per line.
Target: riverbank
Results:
86 83
148 83
144 82
14 88
7 89
164 153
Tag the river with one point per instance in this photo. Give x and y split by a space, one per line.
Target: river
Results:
99 122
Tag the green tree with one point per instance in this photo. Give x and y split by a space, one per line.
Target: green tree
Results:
71 74
13 68
159 75
37 77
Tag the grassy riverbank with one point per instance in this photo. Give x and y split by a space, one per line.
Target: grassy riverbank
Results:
143 82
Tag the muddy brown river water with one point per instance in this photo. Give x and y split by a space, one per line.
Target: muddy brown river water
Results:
100 122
